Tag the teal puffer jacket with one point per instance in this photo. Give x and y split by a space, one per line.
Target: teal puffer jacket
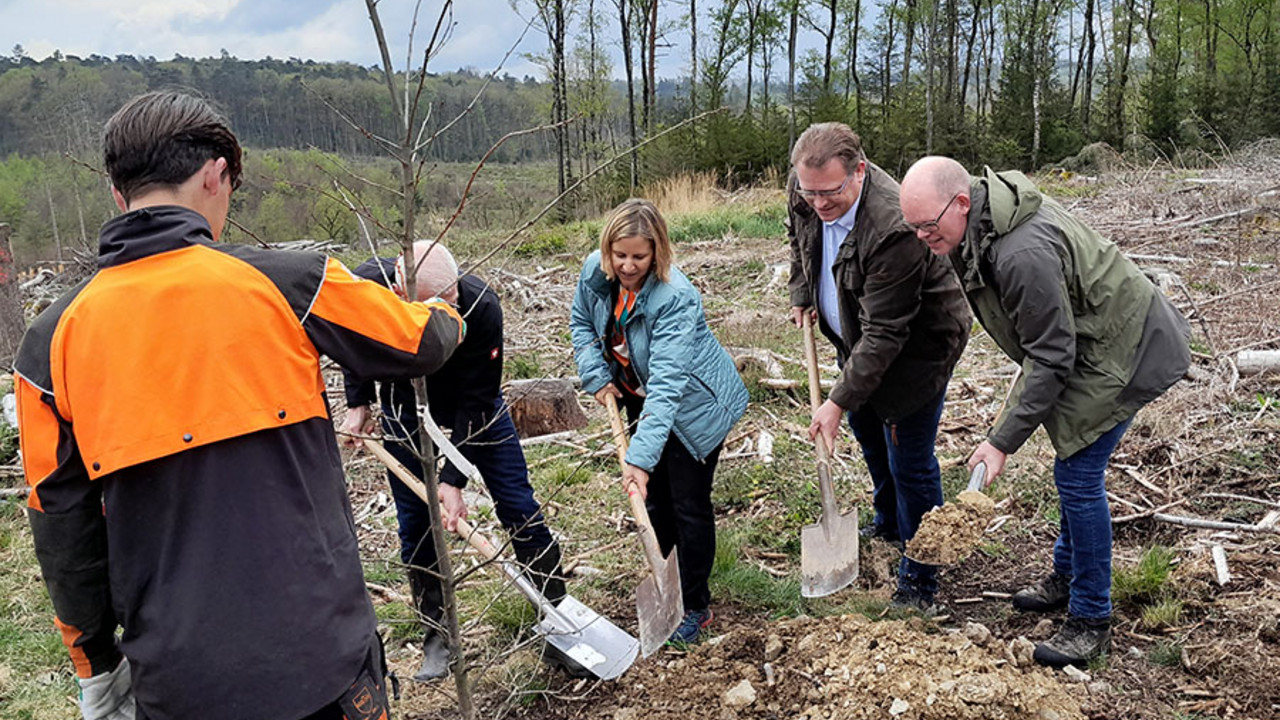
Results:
692 387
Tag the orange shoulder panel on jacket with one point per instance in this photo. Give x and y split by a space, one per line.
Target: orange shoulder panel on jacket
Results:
179 350
39 436
344 299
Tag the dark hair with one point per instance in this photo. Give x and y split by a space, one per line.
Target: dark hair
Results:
163 138
818 144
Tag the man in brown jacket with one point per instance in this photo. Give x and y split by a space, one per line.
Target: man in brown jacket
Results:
898 321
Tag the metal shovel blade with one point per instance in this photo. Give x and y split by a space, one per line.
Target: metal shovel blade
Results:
659 605
591 640
829 554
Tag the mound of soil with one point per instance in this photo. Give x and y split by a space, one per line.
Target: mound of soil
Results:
949 533
842 667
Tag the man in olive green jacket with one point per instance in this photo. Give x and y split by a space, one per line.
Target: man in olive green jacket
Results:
1096 342
898 321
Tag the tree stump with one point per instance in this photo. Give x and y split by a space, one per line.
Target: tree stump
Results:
544 405
12 322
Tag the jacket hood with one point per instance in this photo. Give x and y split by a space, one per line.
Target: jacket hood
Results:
1011 197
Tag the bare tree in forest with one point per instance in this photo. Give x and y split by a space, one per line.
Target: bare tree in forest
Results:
693 57
793 10
624 29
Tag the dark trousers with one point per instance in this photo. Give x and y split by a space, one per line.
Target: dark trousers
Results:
679 505
906 479
496 453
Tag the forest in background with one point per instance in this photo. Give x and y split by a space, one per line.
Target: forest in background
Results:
1009 83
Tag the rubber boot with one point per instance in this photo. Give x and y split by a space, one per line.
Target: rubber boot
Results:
428 600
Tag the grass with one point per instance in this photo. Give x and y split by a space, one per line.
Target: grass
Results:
1147 581
734 579
1163 614
1166 654
36 678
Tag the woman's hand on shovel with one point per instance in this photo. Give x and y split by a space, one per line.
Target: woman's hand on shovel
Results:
637 477
992 456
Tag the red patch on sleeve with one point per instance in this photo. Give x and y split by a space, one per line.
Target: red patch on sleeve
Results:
493 354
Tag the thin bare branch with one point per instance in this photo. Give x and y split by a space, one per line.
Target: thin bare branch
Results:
390 147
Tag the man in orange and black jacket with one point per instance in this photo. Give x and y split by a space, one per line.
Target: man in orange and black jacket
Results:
185 482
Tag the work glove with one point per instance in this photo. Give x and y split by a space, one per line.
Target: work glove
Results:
108 696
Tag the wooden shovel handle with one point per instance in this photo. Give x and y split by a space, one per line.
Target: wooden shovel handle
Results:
811 362
638 510
463 528
825 489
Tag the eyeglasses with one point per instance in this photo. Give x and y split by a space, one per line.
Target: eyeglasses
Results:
811 194
932 225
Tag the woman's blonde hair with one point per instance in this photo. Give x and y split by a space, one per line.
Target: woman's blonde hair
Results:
637 218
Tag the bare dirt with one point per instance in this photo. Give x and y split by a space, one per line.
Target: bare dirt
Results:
949 533
843 667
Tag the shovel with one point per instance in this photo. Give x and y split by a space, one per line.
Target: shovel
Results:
659 600
571 627
828 550
948 534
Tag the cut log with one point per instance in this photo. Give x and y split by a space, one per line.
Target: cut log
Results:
1252 362
544 405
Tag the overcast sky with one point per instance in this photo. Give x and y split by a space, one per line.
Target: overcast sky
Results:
310 29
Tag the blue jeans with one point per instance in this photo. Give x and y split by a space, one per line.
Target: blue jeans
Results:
906 480
1083 549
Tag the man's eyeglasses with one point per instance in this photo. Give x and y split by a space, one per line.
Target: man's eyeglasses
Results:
932 225
811 194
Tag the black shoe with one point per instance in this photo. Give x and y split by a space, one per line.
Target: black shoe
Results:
1051 593
905 599
542 567
879 531
555 657
1077 642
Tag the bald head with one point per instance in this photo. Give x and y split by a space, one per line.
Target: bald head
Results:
437 274
935 202
937 175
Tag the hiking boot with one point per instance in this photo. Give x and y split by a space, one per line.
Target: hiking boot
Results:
435 659
555 657
1078 641
908 600
873 531
1051 593
690 629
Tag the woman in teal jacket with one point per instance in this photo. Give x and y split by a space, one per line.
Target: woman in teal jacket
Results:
639 334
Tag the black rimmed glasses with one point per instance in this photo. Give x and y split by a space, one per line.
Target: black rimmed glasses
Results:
812 194
931 226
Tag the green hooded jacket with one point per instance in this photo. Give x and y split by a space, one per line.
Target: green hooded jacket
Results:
1096 340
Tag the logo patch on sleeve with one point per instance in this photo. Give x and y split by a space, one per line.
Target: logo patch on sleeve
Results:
493 354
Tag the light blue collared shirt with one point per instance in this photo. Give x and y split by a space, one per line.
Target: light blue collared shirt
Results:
833 234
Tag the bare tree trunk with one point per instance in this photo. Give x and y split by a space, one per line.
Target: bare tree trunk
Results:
625 31
1086 90
12 320
53 219
1034 36
406 155
652 101
791 72
968 53
753 9
693 57
929 61
910 42
830 36
853 61
1123 79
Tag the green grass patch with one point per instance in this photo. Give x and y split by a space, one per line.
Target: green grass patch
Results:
36 676
1166 654
734 579
761 222
1163 614
1145 582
